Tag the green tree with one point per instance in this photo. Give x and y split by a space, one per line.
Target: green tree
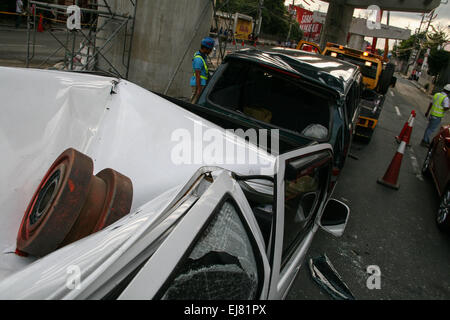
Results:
275 15
437 61
436 38
296 33
405 48
275 18
248 7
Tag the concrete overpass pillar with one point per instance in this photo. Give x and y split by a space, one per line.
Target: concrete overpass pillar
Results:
356 41
166 36
337 24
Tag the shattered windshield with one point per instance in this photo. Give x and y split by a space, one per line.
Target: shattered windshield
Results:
222 264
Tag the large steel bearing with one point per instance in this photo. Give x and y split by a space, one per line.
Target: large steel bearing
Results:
71 203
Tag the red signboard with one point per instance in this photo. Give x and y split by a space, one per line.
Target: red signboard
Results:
311 29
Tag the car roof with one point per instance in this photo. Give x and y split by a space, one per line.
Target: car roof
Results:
335 74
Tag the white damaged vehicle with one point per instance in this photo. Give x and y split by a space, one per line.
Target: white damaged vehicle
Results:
163 228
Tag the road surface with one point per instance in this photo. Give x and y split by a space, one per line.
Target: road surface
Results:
14 47
394 230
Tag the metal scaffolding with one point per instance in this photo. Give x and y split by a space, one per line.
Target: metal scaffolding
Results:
224 7
86 47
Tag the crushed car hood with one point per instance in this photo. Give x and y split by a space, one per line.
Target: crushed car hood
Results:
116 123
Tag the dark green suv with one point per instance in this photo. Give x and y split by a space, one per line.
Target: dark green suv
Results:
308 97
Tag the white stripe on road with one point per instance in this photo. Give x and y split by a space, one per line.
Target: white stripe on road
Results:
398 111
392 93
415 164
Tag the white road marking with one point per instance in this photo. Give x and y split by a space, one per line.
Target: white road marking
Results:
392 94
415 164
398 111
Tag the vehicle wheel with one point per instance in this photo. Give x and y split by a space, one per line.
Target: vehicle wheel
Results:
119 198
367 138
109 199
443 216
426 163
56 205
386 78
71 203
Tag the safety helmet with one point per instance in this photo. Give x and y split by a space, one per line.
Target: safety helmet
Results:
208 43
447 87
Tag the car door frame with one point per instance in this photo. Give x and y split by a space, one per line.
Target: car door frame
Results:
309 43
159 269
281 280
441 163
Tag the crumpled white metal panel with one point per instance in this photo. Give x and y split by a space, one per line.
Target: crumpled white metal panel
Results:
46 112
43 113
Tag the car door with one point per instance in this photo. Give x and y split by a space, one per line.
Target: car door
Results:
216 252
302 187
441 168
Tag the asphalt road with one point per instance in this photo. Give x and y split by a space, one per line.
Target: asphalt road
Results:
14 46
394 230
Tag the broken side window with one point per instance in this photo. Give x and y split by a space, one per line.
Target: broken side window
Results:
268 96
222 264
306 179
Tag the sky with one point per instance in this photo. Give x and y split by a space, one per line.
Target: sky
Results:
408 20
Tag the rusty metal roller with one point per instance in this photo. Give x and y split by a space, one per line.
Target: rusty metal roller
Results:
71 203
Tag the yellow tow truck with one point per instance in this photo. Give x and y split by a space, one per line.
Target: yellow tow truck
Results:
378 76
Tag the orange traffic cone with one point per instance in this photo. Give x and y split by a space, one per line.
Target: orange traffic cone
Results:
409 130
390 179
405 127
40 27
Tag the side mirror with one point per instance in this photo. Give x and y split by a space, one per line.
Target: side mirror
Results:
334 218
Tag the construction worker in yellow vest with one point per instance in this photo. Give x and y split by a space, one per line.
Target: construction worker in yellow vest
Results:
200 67
436 111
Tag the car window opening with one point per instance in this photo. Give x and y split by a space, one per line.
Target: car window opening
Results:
262 207
265 95
222 264
303 193
368 70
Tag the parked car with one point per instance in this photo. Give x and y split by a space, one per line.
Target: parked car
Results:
194 231
305 95
437 165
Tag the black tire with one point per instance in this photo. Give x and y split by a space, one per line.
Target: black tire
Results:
386 78
363 135
426 163
394 82
368 138
443 212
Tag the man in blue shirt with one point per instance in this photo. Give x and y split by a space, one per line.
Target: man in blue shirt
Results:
200 67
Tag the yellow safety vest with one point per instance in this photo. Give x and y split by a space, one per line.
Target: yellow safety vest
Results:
205 65
438 109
